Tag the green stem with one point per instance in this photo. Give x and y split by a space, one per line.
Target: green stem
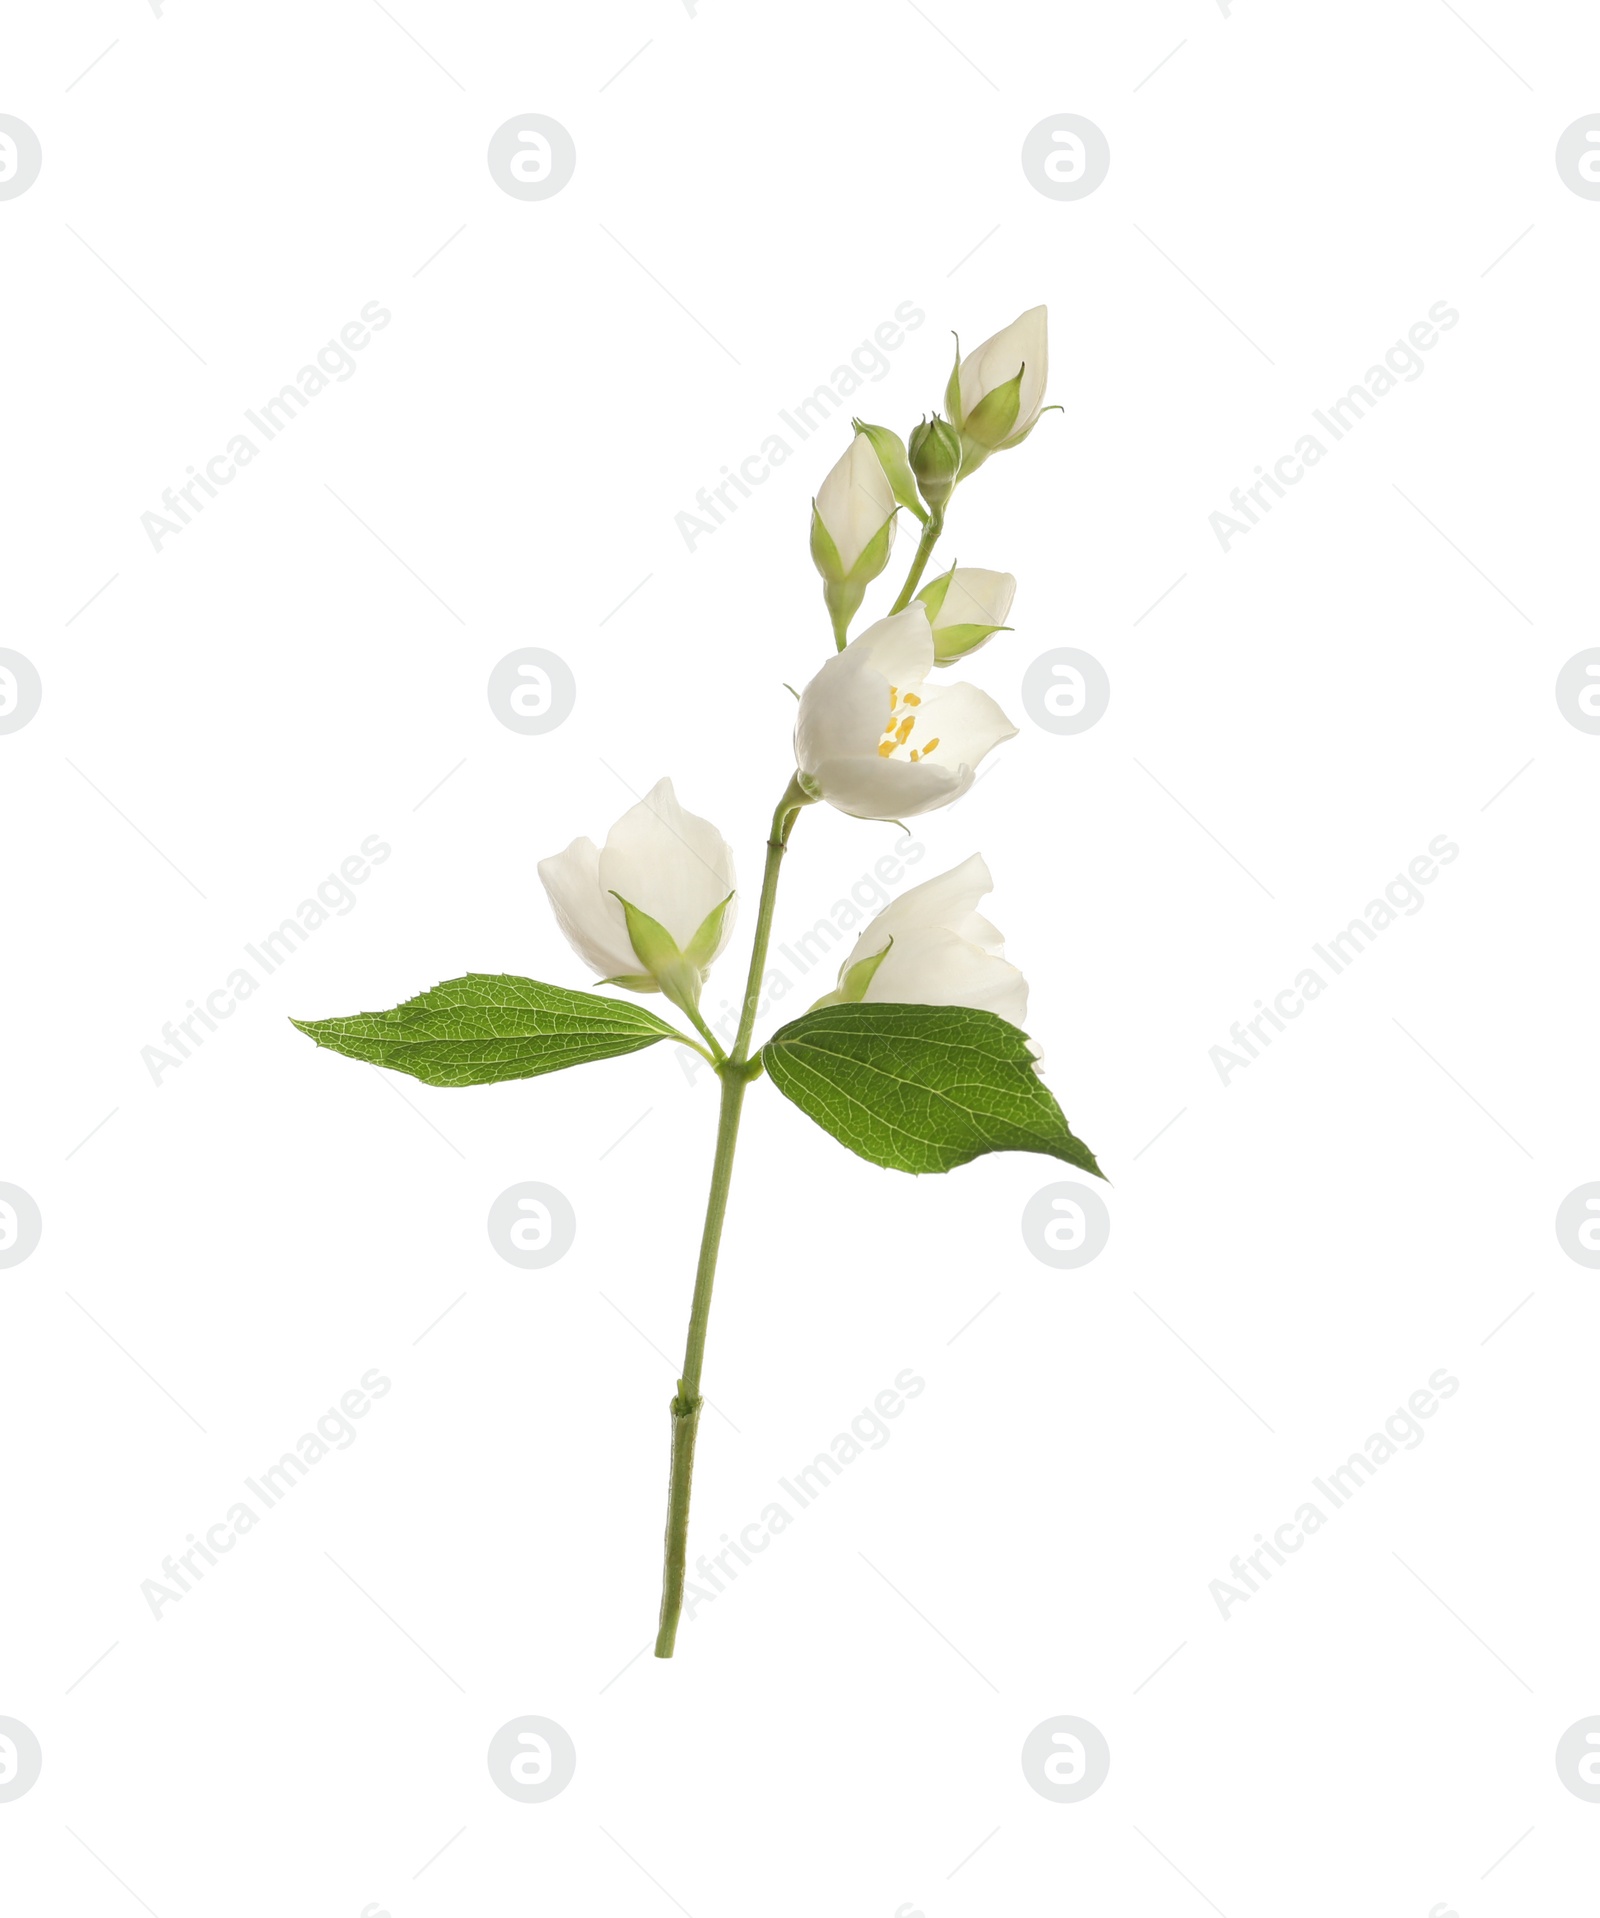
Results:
777 845
735 1072
716 1055
687 1405
925 546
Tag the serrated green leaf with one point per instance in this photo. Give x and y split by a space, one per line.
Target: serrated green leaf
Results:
490 1026
920 1088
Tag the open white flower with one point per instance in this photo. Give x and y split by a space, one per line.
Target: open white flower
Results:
871 741
966 605
931 947
855 504
675 872
987 400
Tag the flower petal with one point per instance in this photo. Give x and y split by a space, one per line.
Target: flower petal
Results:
949 900
874 788
591 920
944 900
842 713
669 863
966 722
845 706
932 966
899 647
854 500
976 597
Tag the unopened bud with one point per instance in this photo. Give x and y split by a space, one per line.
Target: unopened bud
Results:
935 454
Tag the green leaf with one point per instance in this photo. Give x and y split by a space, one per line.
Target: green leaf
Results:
920 1088
490 1026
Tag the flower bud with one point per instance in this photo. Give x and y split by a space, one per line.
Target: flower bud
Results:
852 529
652 908
852 517
966 606
891 452
935 454
996 392
932 947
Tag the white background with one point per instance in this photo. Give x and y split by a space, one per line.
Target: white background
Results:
1293 1255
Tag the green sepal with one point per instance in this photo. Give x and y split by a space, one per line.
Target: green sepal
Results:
990 422
824 554
951 643
852 987
843 602
874 555
870 562
932 595
676 975
702 948
892 457
952 391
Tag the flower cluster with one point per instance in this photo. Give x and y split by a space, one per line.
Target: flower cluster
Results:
878 735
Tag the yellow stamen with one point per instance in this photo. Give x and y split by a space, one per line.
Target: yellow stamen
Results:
929 747
913 699
885 749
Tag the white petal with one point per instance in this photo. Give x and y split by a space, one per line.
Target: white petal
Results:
845 707
965 721
874 788
939 901
590 918
976 597
932 966
899 647
1023 344
949 900
669 863
843 711
854 500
